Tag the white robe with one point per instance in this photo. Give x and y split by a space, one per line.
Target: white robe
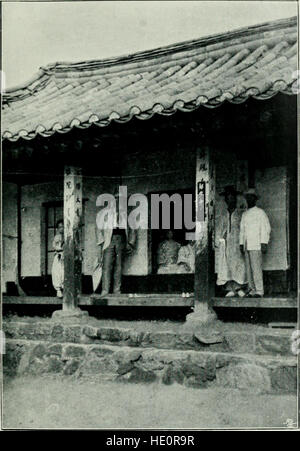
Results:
58 263
231 262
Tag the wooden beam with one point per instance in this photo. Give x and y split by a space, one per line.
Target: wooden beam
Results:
109 301
156 300
205 198
268 302
72 234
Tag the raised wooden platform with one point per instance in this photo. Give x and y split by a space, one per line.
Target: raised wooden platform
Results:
134 300
282 302
156 300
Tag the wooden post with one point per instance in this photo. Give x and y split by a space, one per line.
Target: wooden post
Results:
19 241
72 241
72 245
205 196
204 258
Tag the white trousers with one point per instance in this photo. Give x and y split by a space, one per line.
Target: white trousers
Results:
254 273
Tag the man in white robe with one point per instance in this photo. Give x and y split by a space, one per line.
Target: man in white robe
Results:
231 263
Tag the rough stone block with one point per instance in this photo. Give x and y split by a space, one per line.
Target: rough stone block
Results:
172 373
240 342
73 351
55 349
200 371
71 367
165 340
125 334
245 376
57 333
124 368
273 344
90 331
186 341
11 329
42 331
54 364
72 334
12 358
39 351
224 359
26 330
199 381
98 366
284 378
135 338
140 375
109 334
127 355
101 351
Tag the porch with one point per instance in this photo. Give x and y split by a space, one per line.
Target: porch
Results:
142 286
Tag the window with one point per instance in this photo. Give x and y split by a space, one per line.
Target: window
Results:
53 213
155 237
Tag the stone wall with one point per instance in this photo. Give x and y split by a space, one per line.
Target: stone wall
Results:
250 360
127 364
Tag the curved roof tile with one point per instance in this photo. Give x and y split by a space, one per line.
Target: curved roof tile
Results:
255 62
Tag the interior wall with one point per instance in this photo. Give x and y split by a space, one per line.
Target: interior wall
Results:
156 171
273 188
143 173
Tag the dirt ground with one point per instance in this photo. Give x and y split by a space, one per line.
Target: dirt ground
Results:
36 402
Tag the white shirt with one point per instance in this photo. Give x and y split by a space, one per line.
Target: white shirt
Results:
255 229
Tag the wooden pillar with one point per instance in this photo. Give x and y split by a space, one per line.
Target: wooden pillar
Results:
72 233
19 241
205 198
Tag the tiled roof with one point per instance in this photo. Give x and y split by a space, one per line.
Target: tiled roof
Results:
256 61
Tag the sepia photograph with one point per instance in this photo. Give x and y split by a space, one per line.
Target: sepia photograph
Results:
149 229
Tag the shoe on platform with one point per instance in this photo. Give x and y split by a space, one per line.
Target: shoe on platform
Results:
230 294
241 293
103 294
59 294
256 295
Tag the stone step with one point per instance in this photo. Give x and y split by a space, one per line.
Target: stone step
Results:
260 341
261 374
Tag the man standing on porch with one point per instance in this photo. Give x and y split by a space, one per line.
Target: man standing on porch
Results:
114 240
254 238
230 264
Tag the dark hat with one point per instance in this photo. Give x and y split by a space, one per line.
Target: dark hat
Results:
230 189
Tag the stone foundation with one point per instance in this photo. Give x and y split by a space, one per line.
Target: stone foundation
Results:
251 360
267 342
132 364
